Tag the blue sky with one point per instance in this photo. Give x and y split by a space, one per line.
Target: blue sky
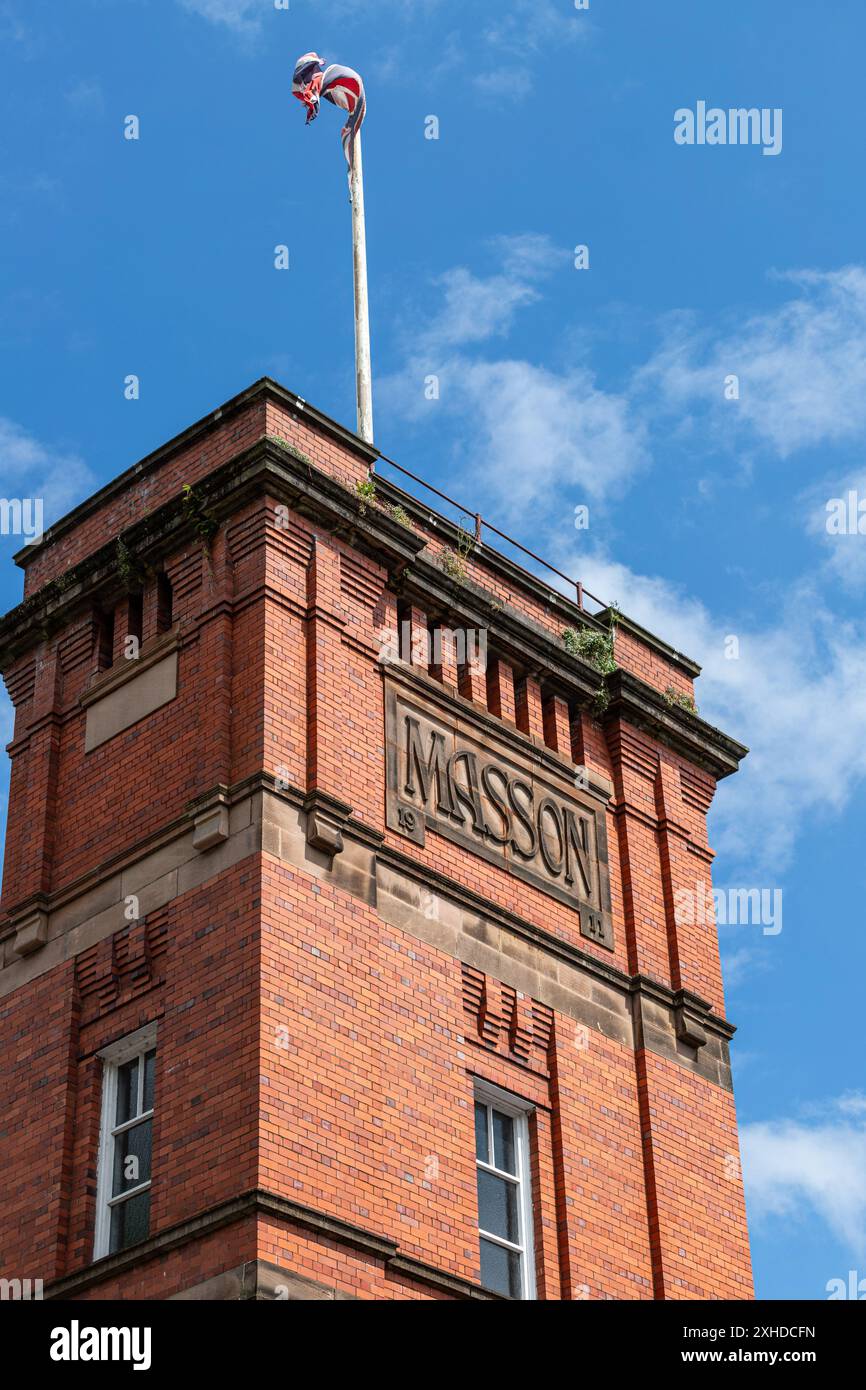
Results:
558 386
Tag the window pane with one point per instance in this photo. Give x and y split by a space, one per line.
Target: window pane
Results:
131 1158
127 1091
503 1142
497 1206
500 1269
481 1133
149 1070
130 1222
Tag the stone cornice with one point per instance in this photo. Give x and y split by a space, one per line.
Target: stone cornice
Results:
263 389
267 466
289 477
648 709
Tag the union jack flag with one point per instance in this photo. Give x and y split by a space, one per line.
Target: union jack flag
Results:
342 86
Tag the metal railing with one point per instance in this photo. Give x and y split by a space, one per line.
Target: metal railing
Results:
581 592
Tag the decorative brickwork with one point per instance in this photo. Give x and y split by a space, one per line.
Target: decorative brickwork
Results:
328 982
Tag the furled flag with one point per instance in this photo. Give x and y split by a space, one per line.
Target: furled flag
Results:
336 84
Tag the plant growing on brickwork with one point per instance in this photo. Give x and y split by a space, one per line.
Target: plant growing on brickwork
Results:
596 649
454 559
289 448
601 701
366 492
677 700
131 574
194 512
398 513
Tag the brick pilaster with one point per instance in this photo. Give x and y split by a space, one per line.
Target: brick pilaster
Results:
32 873
444 657
324 670
121 629
217 640
528 708
473 682
689 908
634 765
500 690
557 726
419 640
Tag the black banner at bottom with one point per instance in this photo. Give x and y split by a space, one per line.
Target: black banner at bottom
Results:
84 1339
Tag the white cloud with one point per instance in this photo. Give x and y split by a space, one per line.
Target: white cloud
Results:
797 693
361 8
537 435
530 256
516 83
742 964
532 436
475 308
528 30
244 16
531 432
793 1165
801 367
525 26
795 676
29 468
539 441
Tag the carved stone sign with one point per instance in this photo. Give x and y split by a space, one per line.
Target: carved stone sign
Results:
473 780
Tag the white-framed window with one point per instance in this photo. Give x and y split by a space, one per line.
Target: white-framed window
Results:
123 1174
504 1192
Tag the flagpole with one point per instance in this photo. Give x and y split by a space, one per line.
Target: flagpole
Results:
363 369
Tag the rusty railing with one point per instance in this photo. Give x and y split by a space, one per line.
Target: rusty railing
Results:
480 524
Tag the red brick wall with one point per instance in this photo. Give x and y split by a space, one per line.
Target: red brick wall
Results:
199 979
696 1206
306 1047
172 1271
38 1074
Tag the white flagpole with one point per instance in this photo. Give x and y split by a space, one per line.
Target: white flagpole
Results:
363 369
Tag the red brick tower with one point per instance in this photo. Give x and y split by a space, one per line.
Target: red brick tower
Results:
339 955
